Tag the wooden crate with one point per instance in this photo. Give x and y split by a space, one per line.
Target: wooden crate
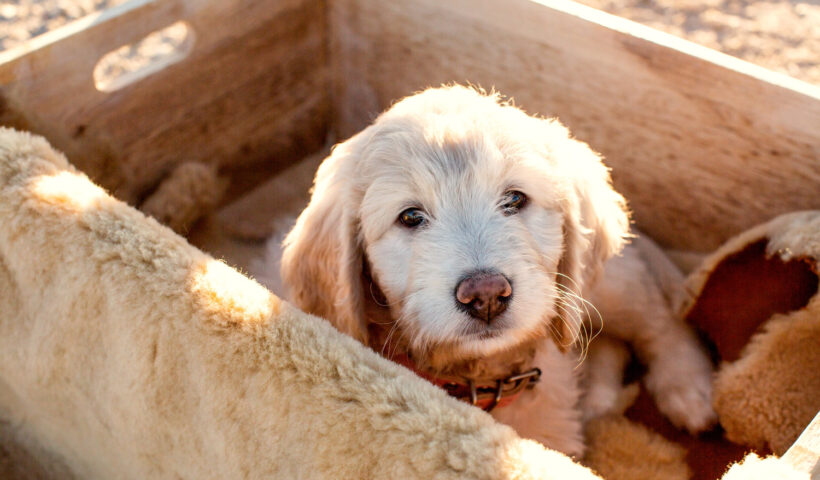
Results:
702 145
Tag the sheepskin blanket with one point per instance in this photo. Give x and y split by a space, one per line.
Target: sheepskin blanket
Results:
757 299
127 353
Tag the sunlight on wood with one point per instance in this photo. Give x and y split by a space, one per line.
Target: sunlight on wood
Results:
131 63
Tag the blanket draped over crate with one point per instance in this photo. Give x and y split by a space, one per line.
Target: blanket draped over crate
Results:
127 353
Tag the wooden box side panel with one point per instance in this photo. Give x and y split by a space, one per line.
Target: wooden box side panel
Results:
703 145
253 88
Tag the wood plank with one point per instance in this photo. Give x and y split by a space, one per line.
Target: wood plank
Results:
702 144
253 216
254 88
804 454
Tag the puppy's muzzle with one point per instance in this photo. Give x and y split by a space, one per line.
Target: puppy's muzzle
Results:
484 295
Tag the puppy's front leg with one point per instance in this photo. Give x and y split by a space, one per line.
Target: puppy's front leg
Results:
634 298
603 375
679 376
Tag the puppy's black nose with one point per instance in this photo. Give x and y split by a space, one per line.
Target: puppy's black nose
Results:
484 295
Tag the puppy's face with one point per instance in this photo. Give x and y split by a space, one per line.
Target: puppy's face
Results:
462 233
478 224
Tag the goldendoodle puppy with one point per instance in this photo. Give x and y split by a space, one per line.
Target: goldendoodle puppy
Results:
469 241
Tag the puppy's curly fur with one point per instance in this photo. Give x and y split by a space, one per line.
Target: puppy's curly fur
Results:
453 154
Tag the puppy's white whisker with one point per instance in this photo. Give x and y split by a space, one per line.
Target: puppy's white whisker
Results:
586 304
579 310
583 345
389 304
387 339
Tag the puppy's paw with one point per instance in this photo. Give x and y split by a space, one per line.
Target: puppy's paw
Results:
604 401
598 402
683 392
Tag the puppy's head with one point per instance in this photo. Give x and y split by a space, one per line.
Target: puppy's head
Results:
478 223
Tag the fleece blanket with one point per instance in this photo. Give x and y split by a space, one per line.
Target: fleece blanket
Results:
127 353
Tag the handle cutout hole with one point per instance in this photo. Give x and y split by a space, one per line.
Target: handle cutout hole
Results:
130 63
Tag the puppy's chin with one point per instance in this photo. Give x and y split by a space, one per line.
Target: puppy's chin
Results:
480 341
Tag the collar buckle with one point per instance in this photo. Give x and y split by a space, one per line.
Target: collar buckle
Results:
508 387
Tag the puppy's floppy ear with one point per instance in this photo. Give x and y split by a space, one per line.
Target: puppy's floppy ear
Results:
596 226
322 256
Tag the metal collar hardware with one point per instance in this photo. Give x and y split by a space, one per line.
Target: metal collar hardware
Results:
488 396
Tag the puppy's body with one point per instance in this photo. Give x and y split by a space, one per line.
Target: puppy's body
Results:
463 234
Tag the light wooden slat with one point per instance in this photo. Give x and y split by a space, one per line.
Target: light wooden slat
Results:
254 88
703 145
804 454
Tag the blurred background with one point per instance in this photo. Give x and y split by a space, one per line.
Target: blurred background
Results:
783 35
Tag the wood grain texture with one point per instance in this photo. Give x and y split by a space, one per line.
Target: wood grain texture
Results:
280 198
703 145
804 455
252 89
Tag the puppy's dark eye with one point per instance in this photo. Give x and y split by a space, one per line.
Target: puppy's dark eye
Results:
411 218
513 202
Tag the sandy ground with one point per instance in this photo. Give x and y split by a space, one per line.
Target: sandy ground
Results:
783 35
23 19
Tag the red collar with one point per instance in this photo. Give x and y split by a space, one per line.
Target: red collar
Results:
486 394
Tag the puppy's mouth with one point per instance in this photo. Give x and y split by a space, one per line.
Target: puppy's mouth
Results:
488 334
483 331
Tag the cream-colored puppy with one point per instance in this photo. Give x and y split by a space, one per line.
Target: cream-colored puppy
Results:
461 235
